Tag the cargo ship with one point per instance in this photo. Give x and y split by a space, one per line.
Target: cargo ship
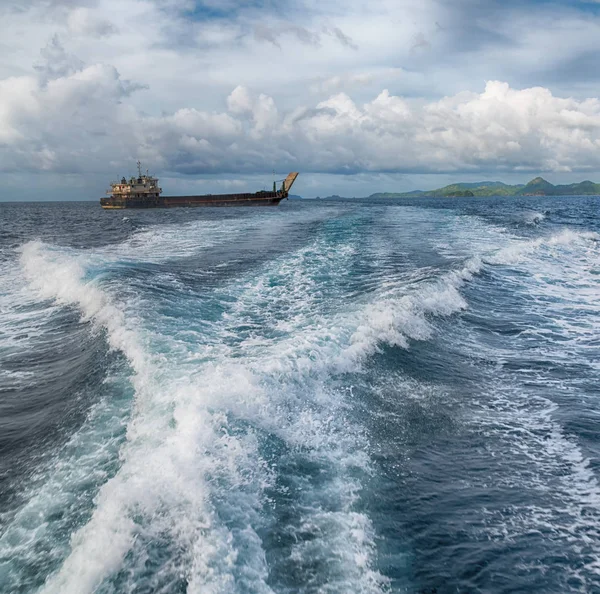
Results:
144 192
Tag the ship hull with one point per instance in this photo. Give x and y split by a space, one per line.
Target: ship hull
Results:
257 199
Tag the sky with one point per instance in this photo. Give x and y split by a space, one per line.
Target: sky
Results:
359 96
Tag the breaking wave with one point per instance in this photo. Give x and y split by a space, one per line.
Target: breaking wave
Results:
180 445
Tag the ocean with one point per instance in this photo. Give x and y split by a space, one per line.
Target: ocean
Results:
323 397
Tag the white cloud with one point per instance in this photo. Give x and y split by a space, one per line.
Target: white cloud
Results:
239 101
83 118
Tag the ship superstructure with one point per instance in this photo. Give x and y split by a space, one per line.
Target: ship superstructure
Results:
144 192
143 188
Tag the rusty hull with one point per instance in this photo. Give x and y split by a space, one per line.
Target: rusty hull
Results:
255 199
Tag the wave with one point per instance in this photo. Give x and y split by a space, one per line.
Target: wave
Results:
21 317
173 444
395 320
533 218
102 543
45 355
194 472
537 396
521 427
517 250
180 446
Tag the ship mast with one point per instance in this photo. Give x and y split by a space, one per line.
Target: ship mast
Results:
139 169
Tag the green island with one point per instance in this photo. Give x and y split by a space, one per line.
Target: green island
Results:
536 187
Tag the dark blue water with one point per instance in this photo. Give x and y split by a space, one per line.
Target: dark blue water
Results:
332 397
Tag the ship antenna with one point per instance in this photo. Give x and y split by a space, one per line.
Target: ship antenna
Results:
139 169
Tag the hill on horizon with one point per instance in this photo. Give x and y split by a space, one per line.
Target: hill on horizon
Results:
536 187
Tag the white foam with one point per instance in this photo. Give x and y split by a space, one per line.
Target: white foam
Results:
54 496
320 341
176 439
558 276
395 320
315 333
545 459
20 318
518 250
151 475
180 445
176 241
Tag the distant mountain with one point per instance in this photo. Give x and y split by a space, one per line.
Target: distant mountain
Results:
536 187
540 187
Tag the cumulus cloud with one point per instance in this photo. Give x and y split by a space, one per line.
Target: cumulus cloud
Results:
327 88
240 101
67 122
81 117
187 49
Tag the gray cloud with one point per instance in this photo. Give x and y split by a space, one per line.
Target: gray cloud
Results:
304 35
55 62
46 6
419 42
269 34
274 34
342 38
313 112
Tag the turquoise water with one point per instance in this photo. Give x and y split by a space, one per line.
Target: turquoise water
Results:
342 396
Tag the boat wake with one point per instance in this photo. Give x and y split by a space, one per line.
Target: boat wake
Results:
229 456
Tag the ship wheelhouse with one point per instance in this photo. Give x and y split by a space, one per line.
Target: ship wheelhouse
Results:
142 188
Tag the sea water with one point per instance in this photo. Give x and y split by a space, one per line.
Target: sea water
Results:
327 396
